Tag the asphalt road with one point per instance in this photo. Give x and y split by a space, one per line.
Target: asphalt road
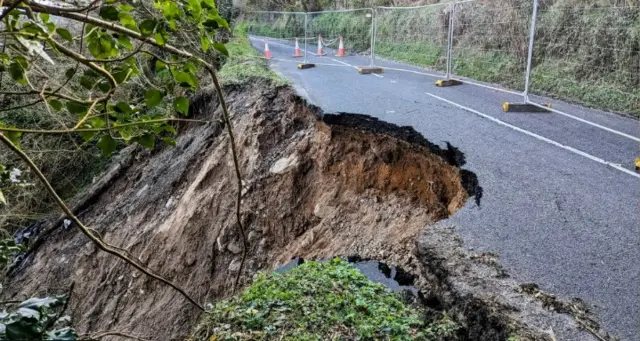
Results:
552 208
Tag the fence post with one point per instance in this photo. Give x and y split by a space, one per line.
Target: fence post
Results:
450 40
374 30
306 19
532 36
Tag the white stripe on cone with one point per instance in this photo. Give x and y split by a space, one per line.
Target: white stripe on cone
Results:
267 52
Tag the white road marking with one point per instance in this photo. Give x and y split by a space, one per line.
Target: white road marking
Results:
587 122
355 67
497 89
541 138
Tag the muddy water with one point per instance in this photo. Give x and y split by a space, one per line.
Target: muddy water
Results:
396 279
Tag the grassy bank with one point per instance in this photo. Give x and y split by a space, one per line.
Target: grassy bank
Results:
244 63
318 301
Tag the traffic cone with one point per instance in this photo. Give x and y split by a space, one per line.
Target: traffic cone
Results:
320 49
297 53
267 52
340 48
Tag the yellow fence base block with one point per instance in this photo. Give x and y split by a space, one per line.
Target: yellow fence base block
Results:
524 108
366 70
448 82
306 66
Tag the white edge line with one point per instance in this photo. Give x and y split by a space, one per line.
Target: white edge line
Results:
585 121
541 138
355 67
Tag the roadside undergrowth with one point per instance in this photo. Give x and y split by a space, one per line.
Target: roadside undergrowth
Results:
318 301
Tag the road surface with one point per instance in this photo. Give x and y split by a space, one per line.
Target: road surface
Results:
561 201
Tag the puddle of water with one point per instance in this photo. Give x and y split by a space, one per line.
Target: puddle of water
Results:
396 279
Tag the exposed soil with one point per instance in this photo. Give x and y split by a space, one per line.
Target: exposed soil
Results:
314 186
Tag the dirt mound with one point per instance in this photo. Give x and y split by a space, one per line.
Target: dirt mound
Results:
313 187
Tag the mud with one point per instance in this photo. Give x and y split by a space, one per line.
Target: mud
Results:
315 186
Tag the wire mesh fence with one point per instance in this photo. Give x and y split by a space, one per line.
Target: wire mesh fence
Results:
590 54
585 52
277 25
490 42
417 35
353 27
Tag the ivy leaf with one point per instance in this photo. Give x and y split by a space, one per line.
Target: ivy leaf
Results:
107 145
146 140
221 48
64 34
87 135
70 73
14 137
55 104
147 27
153 97
181 105
109 13
17 72
77 108
45 16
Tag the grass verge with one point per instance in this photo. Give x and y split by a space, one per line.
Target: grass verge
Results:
244 63
318 301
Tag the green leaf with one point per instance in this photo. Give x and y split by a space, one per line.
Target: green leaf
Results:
87 82
104 86
3 200
109 13
126 7
87 135
181 105
185 79
160 65
17 72
45 16
161 38
55 104
70 72
128 21
205 42
208 4
14 137
107 145
153 97
147 27
125 42
64 34
170 141
97 122
77 108
221 48
146 140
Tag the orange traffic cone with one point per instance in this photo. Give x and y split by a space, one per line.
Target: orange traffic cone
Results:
340 48
267 52
320 49
297 53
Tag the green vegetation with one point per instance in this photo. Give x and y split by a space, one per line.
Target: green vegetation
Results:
37 319
318 301
244 63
